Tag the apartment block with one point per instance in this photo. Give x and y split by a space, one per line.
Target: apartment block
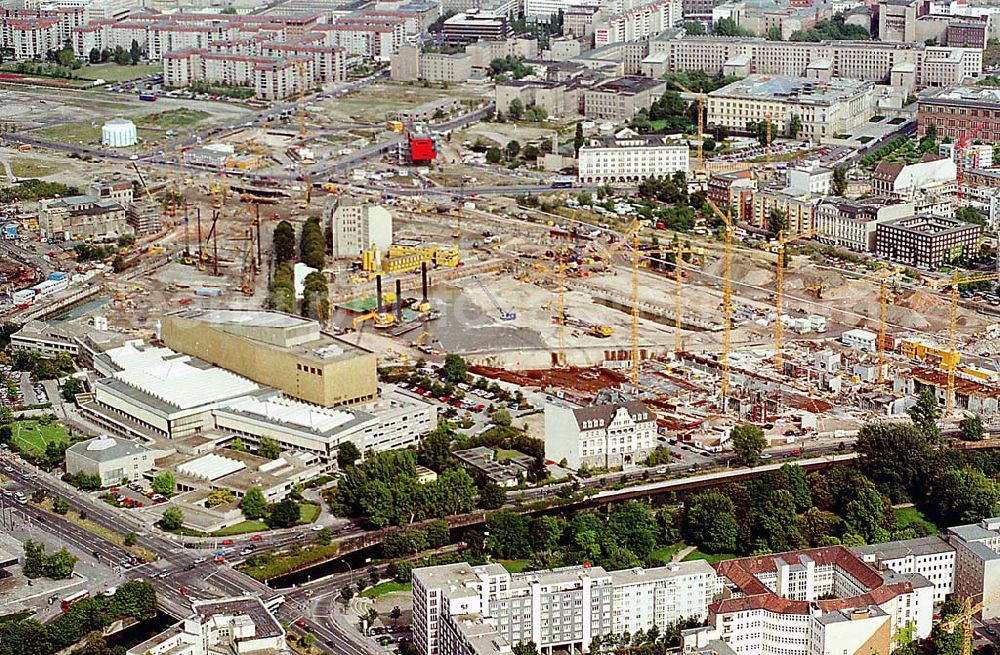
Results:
620 99
459 609
628 157
638 23
902 64
409 64
30 33
144 217
977 564
798 207
925 241
824 108
851 223
599 436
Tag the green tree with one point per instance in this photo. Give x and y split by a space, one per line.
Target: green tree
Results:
347 454
60 564
455 369
324 537
635 527
434 450
70 387
508 534
494 155
694 28
729 27
312 244
173 518
254 504
710 522
777 222
219 497
869 514
544 533
492 496
135 52
748 443
894 456
840 180
60 506
774 33
925 414
794 126
94 56
131 538
501 417
512 150
525 648
438 533
815 525
34 559
165 483
516 109
269 448
238 445
964 495
284 514
284 242
972 427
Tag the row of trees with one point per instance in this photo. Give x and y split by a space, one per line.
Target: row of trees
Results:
119 55
133 599
312 252
35 189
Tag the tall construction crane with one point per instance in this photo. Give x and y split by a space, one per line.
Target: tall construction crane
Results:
964 142
679 252
302 136
633 236
883 278
779 291
951 363
700 102
727 300
964 619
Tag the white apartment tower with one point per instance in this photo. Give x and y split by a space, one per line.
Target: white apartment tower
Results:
358 227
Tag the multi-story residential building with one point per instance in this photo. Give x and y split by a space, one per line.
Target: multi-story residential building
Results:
932 557
798 208
475 25
620 99
734 188
30 33
897 19
810 177
82 217
977 564
638 23
823 109
460 609
628 157
373 37
934 175
851 223
822 601
904 64
358 227
925 241
599 436
957 111
409 64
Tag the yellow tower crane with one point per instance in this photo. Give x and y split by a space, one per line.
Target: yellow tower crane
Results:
952 361
700 101
727 300
633 236
779 292
964 619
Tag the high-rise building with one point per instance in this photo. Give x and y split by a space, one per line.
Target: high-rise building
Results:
359 227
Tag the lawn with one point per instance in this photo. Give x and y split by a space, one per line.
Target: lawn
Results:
87 133
114 73
383 588
174 118
308 513
23 167
34 437
907 516
514 565
242 527
666 553
710 558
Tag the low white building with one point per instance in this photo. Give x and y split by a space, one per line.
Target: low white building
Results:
629 157
643 598
119 133
112 458
600 436
810 177
238 625
359 227
861 339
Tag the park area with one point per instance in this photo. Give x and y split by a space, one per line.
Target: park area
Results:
33 437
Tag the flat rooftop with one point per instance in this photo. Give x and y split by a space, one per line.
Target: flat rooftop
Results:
929 225
783 88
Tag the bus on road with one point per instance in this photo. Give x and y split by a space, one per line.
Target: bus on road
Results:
72 599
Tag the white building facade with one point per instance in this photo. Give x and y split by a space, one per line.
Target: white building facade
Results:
628 158
599 436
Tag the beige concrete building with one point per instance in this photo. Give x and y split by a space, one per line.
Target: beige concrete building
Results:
82 217
559 99
823 108
620 99
280 350
358 227
409 64
112 458
862 60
